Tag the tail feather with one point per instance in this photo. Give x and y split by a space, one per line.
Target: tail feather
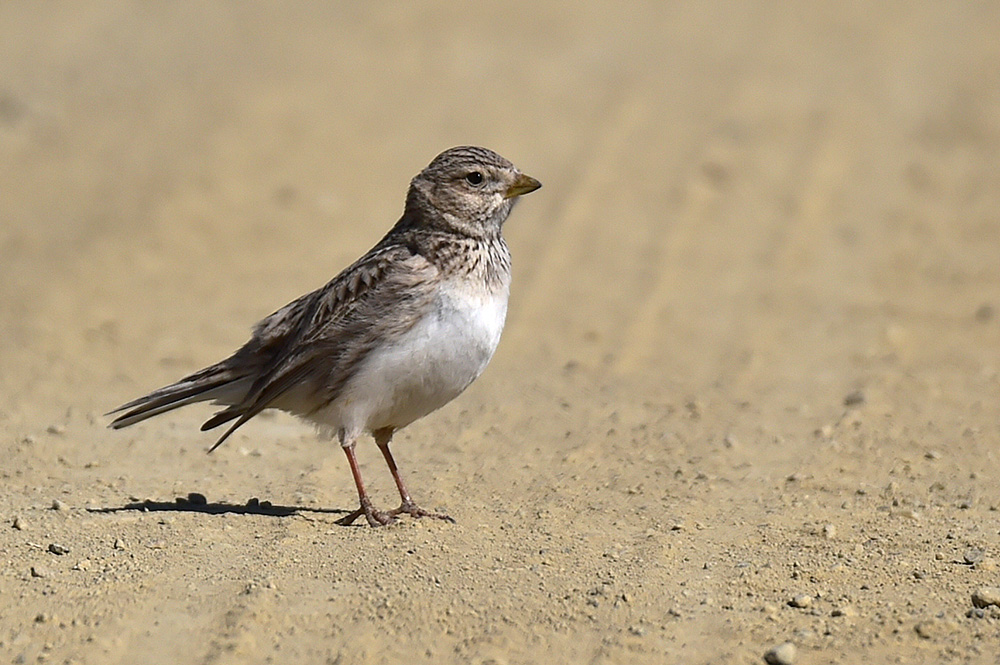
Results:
216 383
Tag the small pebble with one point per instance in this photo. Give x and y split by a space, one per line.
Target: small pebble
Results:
844 611
973 555
55 429
119 544
930 629
933 454
854 398
985 596
59 505
19 523
40 571
829 531
197 499
783 654
56 548
925 629
802 601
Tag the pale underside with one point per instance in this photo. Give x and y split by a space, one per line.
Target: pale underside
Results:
426 367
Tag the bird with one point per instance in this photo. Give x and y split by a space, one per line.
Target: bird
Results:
395 336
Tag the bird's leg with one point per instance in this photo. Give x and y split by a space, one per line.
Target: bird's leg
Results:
382 438
374 517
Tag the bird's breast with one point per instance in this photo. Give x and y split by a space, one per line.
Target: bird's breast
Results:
456 340
431 363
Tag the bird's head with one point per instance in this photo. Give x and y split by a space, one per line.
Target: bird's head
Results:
468 190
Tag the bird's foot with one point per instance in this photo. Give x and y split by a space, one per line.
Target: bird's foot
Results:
374 517
413 510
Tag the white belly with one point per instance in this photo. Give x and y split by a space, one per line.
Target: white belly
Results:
426 368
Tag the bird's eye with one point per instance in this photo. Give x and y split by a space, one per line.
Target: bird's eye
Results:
474 178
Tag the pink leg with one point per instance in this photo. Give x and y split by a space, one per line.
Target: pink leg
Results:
374 517
382 438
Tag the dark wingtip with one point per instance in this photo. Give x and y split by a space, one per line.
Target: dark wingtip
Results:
220 418
119 409
122 421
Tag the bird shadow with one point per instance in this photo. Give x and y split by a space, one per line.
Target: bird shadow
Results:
197 503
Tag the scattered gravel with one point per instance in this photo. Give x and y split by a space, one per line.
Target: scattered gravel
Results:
783 654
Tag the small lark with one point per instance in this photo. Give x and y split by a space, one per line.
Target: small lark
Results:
395 336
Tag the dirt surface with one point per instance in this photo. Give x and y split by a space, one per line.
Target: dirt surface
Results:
751 359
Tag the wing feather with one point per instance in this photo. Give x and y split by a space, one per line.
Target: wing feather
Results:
313 345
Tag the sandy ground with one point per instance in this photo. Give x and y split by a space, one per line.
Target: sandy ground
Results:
751 359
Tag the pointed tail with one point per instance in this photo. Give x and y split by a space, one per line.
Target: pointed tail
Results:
217 383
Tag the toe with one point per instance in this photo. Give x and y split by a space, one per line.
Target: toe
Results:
374 517
413 510
348 519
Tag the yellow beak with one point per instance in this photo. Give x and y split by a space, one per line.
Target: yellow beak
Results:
522 185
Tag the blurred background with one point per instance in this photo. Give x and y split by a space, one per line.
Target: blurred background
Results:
709 168
707 165
767 247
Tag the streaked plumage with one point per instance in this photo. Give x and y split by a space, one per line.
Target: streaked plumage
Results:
396 335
